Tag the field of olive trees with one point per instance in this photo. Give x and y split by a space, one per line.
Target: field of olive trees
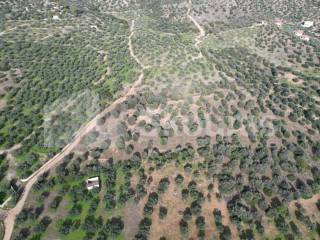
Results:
210 119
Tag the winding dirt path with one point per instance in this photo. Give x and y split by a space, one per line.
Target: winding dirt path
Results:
131 47
12 213
202 32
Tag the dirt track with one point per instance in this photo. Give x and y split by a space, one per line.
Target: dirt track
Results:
11 214
202 32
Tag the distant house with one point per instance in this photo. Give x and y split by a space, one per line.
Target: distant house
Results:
307 24
278 22
301 35
298 33
55 17
92 183
305 38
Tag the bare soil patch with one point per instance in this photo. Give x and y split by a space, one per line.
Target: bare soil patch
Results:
131 218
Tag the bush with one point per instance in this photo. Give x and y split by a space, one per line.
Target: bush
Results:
43 224
195 208
55 202
114 226
163 185
76 209
179 179
162 212
200 223
144 228
183 227
225 234
187 214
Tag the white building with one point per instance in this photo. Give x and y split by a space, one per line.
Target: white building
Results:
92 183
307 24
305 38
298 33
55 17
279 22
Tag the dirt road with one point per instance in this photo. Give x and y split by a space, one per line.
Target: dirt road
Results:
12 213
131 47
202 32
